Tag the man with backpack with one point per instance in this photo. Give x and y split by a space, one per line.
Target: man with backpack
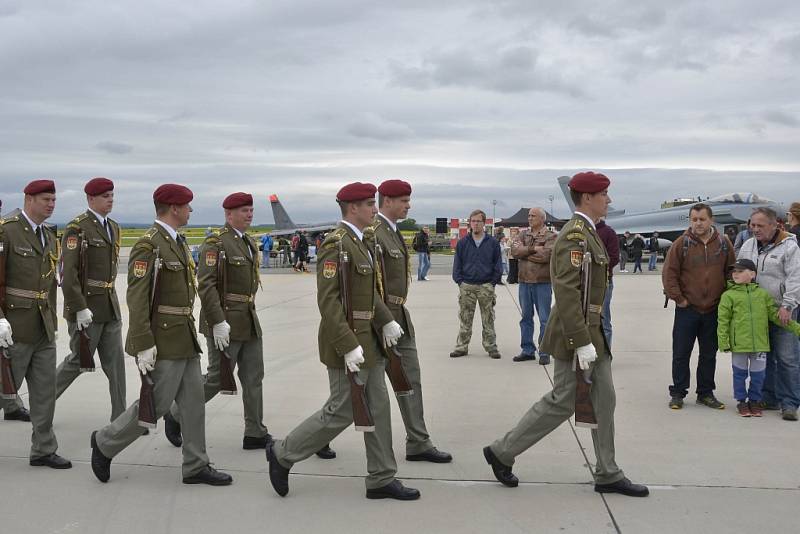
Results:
694 276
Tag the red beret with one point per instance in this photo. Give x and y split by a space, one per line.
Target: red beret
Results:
98 186
394 188
40 186
237 200
173 194
589 182
356 191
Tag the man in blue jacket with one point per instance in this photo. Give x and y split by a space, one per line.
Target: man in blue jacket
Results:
477 268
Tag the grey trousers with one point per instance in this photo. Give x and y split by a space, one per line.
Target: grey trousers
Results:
411 409
336 415
249 358
36 363
174 380
556 407
106 339
11 405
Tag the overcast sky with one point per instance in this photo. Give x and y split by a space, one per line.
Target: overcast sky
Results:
469 101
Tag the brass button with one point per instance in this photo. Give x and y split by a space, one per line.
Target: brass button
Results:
165 325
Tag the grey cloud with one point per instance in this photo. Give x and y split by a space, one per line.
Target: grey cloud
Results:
114 148
512 69
781 117
372 126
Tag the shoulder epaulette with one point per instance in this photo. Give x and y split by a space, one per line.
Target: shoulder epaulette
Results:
144 245
369 231
576 236
79 218
15 218
333 238
376 223
219 231
150 233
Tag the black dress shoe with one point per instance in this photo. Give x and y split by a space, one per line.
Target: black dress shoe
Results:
502 472
431 455
394 490
20 415
625 487
51 460
278 475
209 475
522 357
249 442
326 453
101 464
172 429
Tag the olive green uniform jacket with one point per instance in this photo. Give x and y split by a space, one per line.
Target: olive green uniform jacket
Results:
173 330
566 328
394 283
243 280
31 274
102 256
335 337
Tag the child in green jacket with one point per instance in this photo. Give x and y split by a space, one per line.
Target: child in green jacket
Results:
744 313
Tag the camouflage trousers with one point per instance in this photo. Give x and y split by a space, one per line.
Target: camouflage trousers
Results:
468 296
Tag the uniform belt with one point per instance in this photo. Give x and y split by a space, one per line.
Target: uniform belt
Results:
595 308
236 297
99 283
362 315
26 293
175 310
392 299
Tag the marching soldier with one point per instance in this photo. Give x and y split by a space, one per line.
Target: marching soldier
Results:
163 340
568 335
232 331
28 319
344 349
394 200
95 307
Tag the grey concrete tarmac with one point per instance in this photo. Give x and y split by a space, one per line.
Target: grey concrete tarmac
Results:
709 471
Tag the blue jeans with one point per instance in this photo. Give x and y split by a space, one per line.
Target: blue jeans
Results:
653 259
782 381
538 296
265 258
424 264
606 316
690 325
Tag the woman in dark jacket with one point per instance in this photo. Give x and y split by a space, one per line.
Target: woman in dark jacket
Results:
636 247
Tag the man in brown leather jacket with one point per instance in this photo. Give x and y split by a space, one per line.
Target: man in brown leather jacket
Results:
533 249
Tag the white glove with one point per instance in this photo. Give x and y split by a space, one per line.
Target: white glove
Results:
146 360
392 332
353 359
83 318
586 355
5 333
222 335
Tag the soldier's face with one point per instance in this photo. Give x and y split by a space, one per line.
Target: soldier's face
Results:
596 204
40 207
397 207
182 214
102 204
363 212
700 222
240 218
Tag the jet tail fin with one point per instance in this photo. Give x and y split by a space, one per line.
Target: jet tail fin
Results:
282 219
562 183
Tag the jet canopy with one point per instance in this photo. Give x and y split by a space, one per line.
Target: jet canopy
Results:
739 198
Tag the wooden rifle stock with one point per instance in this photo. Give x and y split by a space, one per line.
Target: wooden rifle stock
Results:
397 374
227 384
147 402
362 417
584 411
84 344
9 387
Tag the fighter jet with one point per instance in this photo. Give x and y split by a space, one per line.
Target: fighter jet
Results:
730 210
285 226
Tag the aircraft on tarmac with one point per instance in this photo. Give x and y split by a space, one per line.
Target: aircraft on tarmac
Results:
285 226
730 211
